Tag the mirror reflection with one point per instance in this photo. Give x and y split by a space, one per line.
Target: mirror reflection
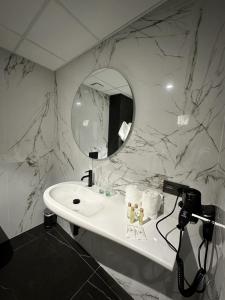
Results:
102 113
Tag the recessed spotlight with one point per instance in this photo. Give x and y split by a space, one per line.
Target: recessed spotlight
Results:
169 86
78 103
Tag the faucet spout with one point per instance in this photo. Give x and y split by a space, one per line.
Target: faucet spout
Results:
89 176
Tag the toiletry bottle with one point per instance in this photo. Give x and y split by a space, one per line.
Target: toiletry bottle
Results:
128 210
136 212
141 216
132 215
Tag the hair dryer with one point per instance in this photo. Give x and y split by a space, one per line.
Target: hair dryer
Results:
191 203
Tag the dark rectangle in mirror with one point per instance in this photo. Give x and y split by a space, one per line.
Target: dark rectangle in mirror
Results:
120 109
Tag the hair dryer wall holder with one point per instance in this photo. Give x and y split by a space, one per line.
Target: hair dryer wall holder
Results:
208 214
208 221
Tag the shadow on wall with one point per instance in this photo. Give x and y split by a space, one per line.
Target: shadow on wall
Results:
137 267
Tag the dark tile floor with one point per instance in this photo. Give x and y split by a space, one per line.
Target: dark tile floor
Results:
49 265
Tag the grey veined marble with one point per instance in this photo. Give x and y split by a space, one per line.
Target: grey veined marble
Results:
174 61
27 141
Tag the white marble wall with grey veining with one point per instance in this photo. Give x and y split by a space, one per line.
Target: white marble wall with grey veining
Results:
219 272
222 206
27 141
173 59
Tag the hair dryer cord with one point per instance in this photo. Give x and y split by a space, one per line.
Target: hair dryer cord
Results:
200 275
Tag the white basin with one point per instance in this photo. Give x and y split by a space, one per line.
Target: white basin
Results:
106 216
90 203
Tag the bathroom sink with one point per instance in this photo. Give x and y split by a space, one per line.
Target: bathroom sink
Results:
76 197
107 216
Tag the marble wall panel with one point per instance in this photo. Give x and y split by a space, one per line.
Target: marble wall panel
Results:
27 141
173 59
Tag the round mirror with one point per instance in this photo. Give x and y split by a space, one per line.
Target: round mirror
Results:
102 113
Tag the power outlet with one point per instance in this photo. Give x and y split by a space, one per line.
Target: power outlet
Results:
173 188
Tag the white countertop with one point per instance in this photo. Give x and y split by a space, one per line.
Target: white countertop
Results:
111 222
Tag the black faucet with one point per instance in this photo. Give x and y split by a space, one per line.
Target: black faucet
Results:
89 176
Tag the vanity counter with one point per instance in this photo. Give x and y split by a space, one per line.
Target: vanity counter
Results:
111 222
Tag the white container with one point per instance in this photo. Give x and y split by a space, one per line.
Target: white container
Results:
133 195
151 202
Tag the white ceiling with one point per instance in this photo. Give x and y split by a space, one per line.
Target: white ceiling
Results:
108 81
53 32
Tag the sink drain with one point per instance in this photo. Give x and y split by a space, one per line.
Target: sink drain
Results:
76 201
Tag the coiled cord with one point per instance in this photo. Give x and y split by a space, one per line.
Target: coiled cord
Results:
180 279
199 277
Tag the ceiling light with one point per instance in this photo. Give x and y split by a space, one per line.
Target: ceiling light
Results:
169 86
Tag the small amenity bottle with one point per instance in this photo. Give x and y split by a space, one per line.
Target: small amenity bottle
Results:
141 216
136 212
128 210
132 215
